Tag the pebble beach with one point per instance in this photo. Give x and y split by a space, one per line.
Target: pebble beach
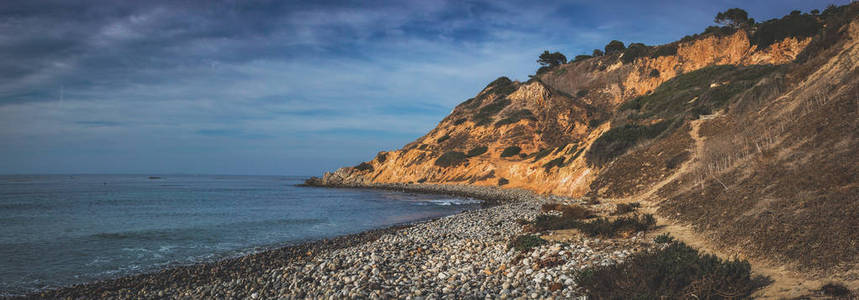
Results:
460 256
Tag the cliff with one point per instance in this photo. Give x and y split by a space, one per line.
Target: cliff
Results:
754 144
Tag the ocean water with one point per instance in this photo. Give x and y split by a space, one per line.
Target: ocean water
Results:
61 230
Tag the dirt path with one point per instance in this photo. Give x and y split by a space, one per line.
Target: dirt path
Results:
785 283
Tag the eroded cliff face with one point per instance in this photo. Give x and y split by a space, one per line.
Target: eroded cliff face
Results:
553 118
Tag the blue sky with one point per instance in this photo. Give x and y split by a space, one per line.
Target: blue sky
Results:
280 87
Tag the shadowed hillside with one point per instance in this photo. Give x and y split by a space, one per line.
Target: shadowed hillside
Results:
746 133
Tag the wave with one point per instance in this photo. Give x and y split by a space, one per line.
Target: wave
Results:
449 202
177 234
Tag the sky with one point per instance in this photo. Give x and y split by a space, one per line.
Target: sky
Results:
281 87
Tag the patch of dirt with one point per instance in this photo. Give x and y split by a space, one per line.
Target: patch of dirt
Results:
651 164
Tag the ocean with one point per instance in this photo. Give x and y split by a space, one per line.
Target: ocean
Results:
59 230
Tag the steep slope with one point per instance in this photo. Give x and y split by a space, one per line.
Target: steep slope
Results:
553 118
756 148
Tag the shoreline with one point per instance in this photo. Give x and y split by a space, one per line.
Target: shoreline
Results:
220 269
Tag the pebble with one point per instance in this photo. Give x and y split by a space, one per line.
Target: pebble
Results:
463 255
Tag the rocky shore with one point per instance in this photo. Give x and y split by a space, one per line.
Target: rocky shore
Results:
459 256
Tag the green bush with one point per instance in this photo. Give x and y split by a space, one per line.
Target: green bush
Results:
364 167
526 242
452 158
672 273
833 289
460 121
664 238
381 157
664 50
477 151
503 181
542 153
485 114
654 73
795 25
502 86
617 140
605 228
510 151
558 162
599 227
614 46
442 139
516 116
622 208
635 50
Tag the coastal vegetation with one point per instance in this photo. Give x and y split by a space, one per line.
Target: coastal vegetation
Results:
476 151
452 158
675 272
510 151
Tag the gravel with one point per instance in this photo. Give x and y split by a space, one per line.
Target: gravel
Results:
459 256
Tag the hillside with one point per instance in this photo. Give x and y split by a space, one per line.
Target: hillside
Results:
749 136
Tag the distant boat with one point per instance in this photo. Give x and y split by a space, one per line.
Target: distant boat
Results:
154 177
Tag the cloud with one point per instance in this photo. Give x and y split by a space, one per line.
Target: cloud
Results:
286 87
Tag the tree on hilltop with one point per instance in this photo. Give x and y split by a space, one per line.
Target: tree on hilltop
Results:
551 59
734 17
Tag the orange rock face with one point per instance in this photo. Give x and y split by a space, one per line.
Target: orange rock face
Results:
553 119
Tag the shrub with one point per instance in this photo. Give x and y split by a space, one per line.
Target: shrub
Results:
617 140
635 50
558 162
516 116
581 57
526 242
665 50
569 218
794 25
381 157
664 238
485 114
605 228
597 53
442 139
634 104
575 212
542 153
502 86
720 31
833 289
503 181
614 47
581 93
452 158
422 180
364 166
510 151
672 273
654 73
476 151
552 222
547 207
622 208
460 121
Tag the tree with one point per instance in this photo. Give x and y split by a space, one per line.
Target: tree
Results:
551 59
614 46
597 53
734 17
